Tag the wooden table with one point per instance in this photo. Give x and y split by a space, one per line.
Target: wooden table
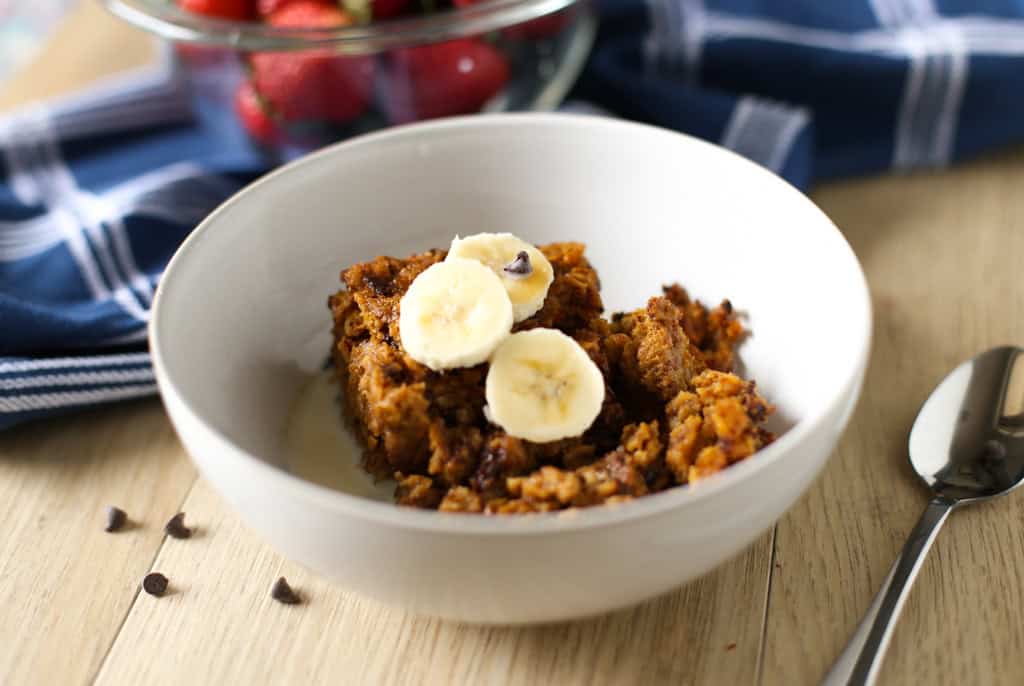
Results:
943 253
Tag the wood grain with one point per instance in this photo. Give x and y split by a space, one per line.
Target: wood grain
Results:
943 253
220 626
65 584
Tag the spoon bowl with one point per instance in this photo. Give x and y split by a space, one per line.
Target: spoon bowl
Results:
968 440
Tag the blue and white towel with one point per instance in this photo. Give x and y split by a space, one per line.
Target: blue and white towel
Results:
96 191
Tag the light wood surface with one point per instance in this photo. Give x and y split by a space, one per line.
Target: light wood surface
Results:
66 585
221 627
89 44
943 255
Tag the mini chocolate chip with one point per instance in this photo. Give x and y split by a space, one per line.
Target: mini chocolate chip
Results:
116 519
155 584
175 527
283 593
381 285
520 266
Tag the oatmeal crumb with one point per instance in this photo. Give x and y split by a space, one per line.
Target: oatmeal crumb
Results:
674 413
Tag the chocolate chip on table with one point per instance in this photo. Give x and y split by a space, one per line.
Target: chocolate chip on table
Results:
175 527
155 584
283 593
520 266
116 519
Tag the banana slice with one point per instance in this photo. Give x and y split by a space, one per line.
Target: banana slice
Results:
542 386
523 269
454 314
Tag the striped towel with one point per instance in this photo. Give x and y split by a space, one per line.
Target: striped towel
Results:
818 89
96 191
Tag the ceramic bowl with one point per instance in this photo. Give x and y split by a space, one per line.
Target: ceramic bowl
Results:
241 322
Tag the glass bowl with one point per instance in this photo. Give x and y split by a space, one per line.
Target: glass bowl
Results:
296 89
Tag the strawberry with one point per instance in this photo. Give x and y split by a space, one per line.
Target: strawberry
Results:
241 10
313 84
264 8
308 14
254 116
386 9
442 79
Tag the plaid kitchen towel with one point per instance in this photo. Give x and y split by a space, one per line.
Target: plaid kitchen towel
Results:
814 89
97 191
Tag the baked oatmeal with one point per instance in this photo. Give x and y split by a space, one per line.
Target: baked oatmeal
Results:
672 411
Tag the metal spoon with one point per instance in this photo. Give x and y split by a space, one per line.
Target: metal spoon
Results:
968 445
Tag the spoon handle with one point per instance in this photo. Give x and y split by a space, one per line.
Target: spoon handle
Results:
859 663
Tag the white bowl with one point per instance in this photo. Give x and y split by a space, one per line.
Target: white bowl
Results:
240 322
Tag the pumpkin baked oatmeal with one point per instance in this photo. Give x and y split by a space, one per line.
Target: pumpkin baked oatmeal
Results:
458 413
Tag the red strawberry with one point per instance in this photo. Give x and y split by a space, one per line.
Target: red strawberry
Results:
308 14
313 84
386 9
254 116
224 9
265 8
456 77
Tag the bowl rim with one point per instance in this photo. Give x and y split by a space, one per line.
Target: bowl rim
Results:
167 20
534 523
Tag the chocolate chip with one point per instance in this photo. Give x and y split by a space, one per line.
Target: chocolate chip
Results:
175 528
486 479
283 593
116 519
520 266
155 584
381 285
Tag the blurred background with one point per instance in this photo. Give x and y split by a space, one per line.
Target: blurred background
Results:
24 25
